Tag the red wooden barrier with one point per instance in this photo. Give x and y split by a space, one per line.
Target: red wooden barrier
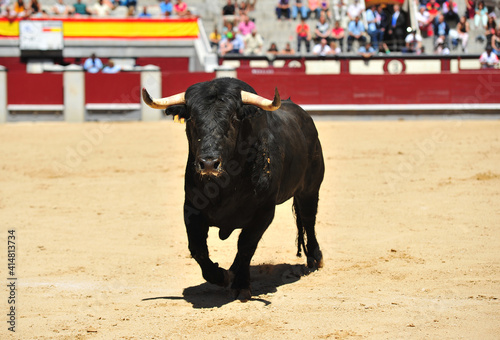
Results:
34 89
445 88
119 88
175 82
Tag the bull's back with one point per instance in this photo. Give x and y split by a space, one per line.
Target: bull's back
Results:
300 151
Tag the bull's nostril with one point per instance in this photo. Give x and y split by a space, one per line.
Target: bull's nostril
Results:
209 164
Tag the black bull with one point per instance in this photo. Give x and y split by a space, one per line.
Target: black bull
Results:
244 160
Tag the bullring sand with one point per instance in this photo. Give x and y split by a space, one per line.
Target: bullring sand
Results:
409 224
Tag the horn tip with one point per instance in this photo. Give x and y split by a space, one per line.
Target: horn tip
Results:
146 96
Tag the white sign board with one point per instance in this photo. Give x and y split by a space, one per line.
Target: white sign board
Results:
40 35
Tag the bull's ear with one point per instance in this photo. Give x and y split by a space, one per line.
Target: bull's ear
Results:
246 111
178 112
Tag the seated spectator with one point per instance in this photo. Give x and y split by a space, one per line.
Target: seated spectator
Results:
131 6
228 27
488 59
334 49
144 14
313 7
441 31
424 22
253 43
322 30
463 29
325 8
181 9
19 10
283 9
35 9
495 41
166 8
92 64
299 8
100 9
355 10
80 8
470 10
450 11
338 35
366 51
322 48
303 35
355 31
111 67
441 28
60 8
374 30
215 39
481 16
246 26
229 11
490 27
273 49
243 8
413 43
434 9
232 44
288 50
339 10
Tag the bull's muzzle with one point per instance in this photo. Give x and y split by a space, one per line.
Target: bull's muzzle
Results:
209 166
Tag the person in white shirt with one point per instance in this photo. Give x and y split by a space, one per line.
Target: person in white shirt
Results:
100 9
322 48
424 21
488 59
111 68
355 9
413 43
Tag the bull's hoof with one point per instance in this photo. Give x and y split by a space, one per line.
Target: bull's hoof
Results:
218 276
242 294
316 260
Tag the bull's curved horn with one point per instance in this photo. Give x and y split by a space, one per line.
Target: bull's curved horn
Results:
163 103
263 103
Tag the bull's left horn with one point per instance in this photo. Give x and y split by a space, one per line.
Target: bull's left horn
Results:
263 103
163 103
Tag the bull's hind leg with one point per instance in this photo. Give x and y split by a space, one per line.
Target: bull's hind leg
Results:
197 231
306 207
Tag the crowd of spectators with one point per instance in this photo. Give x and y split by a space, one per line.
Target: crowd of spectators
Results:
387 28
346 24
23 9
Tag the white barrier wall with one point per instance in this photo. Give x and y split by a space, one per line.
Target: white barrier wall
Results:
151 80
74 96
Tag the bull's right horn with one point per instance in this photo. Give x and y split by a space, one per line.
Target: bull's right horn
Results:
163 103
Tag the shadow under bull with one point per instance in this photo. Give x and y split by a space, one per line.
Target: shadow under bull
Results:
266 278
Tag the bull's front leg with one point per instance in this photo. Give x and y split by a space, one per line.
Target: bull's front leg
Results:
197 231
247 244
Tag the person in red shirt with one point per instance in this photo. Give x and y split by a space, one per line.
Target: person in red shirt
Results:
181 9
433 8
338 34
303 34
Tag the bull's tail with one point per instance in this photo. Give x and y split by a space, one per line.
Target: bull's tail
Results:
301 232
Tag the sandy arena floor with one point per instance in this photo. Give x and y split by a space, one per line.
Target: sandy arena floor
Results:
409 224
